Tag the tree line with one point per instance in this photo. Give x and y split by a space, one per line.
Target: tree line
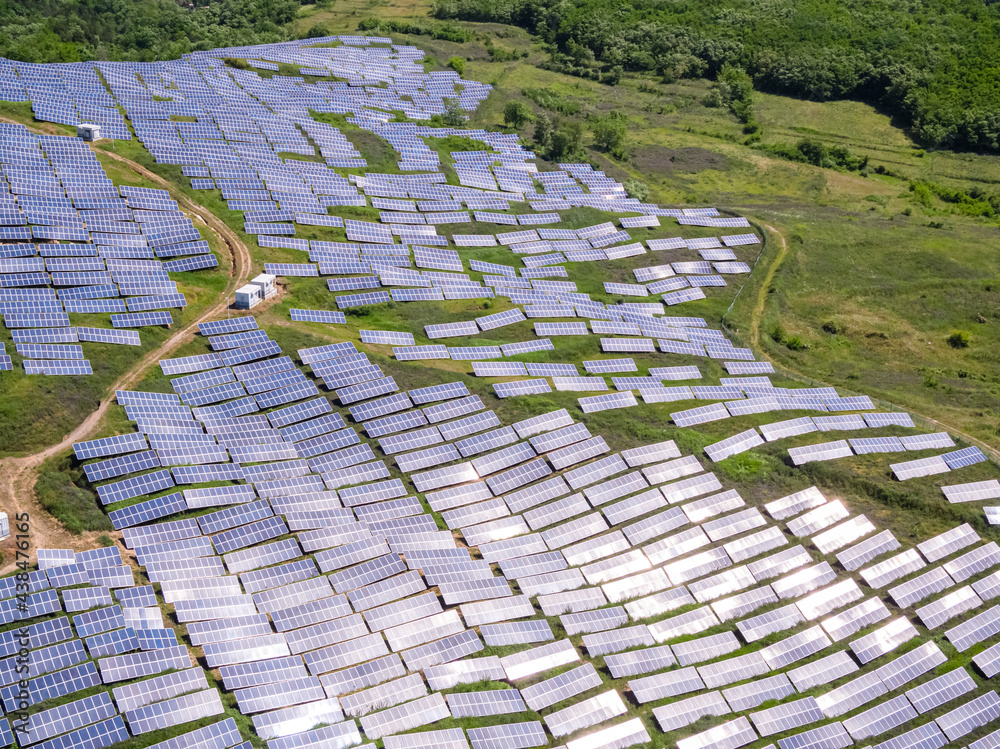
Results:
934 64
139 30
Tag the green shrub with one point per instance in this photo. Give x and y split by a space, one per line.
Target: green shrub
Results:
813 152
566 142
74 507
457 64
611 134
543 129
959 339
833 328
447 31
317 31
636 189
794 343
516 114
454 115
551 101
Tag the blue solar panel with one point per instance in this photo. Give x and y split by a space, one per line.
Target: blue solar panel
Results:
121 466
135 487
110 446
231 325
964 457
144 512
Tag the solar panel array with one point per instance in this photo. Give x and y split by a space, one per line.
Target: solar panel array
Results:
326 581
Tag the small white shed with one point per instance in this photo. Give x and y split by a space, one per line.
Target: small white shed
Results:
265 282
88 131
248 296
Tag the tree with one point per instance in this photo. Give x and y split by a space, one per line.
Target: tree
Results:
566 141
454 115
457 64
516 113
543 129
611 134
734 89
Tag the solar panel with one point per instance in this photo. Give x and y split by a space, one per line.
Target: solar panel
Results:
508 736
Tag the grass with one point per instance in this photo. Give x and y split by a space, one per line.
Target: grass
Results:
59 495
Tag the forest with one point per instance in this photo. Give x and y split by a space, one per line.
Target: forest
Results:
932 64
141 30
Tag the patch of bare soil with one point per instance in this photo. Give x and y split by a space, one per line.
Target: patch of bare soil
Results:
665 160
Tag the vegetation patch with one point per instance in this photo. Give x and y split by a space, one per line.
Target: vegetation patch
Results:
145 30
448 32
873 51
76 508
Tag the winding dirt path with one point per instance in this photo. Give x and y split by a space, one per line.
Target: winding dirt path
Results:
758 313
18 475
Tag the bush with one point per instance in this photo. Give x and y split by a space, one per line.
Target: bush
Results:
457 64
105 540
833 328
317 31
446 32
636 189
975 202
813 152
454 115
553 102
794 343
959 339
75 508
499 54
543 130
566 142
614 76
